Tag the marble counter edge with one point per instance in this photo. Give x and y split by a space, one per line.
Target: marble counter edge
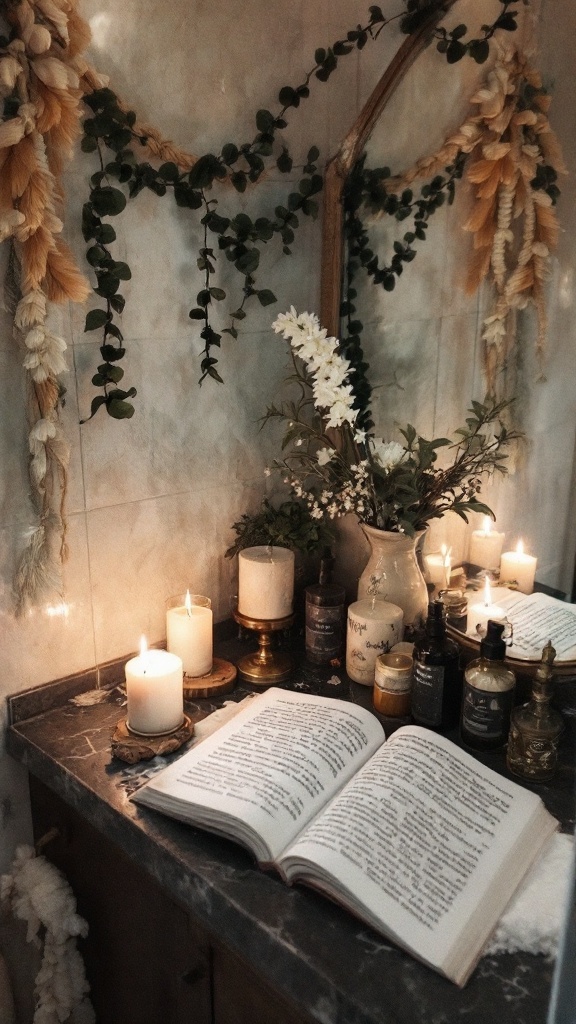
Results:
225 921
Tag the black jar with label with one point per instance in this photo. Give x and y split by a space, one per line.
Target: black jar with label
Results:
325 606
437 678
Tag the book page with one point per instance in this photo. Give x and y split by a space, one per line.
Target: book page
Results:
263 775
413 841
537 618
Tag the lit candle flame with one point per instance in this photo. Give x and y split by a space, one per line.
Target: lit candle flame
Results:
487 525
520 547
487 593
188 604
143 646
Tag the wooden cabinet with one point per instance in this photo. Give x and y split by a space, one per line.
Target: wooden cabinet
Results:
146 959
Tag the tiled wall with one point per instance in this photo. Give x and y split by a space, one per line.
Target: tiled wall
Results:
151 500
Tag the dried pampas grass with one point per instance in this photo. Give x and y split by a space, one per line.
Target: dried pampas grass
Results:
43 66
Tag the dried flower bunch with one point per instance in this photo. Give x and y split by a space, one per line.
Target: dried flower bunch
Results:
337 469
513 161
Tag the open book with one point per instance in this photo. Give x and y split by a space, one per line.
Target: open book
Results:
412 834
537 619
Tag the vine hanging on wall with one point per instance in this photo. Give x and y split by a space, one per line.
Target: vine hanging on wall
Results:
43 79
509 154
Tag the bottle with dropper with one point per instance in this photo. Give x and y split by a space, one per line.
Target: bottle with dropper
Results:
488 693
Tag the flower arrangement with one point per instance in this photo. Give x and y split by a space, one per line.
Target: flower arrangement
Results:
336 468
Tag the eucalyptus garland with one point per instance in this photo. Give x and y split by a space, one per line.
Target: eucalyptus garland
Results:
44 78
239 238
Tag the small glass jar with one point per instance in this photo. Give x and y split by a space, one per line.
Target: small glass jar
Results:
393 684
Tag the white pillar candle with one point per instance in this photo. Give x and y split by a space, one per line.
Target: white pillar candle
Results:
486 546
374 626
265 582
517 565
189 632
439 567
480 609
154 692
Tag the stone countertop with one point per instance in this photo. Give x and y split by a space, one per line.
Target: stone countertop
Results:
310 950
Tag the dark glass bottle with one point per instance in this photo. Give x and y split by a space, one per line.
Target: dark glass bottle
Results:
488 694
325 606
437 680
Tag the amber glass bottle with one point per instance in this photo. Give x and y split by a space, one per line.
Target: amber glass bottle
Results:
437 679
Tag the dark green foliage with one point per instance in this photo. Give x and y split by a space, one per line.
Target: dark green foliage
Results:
110 128
289 526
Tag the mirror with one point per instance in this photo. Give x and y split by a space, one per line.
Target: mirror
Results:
423 340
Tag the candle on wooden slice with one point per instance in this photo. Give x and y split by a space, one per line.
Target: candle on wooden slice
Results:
519 566
374 626
154 692
265 582
189 632
482 609
486 546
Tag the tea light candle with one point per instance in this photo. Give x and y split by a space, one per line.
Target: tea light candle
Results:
479 611
374 626
439 567
189 632
265 582
517 565
154 691
486 546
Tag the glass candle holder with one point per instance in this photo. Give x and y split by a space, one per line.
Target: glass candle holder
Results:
189 632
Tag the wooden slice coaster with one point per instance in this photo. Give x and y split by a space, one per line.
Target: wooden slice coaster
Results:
129 747
220 680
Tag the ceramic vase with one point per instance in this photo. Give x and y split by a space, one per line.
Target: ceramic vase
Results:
393 574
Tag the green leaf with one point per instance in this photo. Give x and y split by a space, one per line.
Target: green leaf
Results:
107 285
169 172
117 302
119 409
230 153
94 319
248 263
88 145
187 197
218 294
108 201
284 161
264 120
287 96
197 314
105 234
115 331
111 354
266 297
455 52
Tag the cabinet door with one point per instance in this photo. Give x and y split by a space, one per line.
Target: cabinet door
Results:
146 961
242 997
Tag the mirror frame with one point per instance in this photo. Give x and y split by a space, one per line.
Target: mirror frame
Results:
339 166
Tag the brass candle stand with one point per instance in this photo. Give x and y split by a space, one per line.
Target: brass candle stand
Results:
265 667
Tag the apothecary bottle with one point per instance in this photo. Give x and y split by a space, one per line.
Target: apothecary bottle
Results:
488 693
325 615
437 679
536 728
